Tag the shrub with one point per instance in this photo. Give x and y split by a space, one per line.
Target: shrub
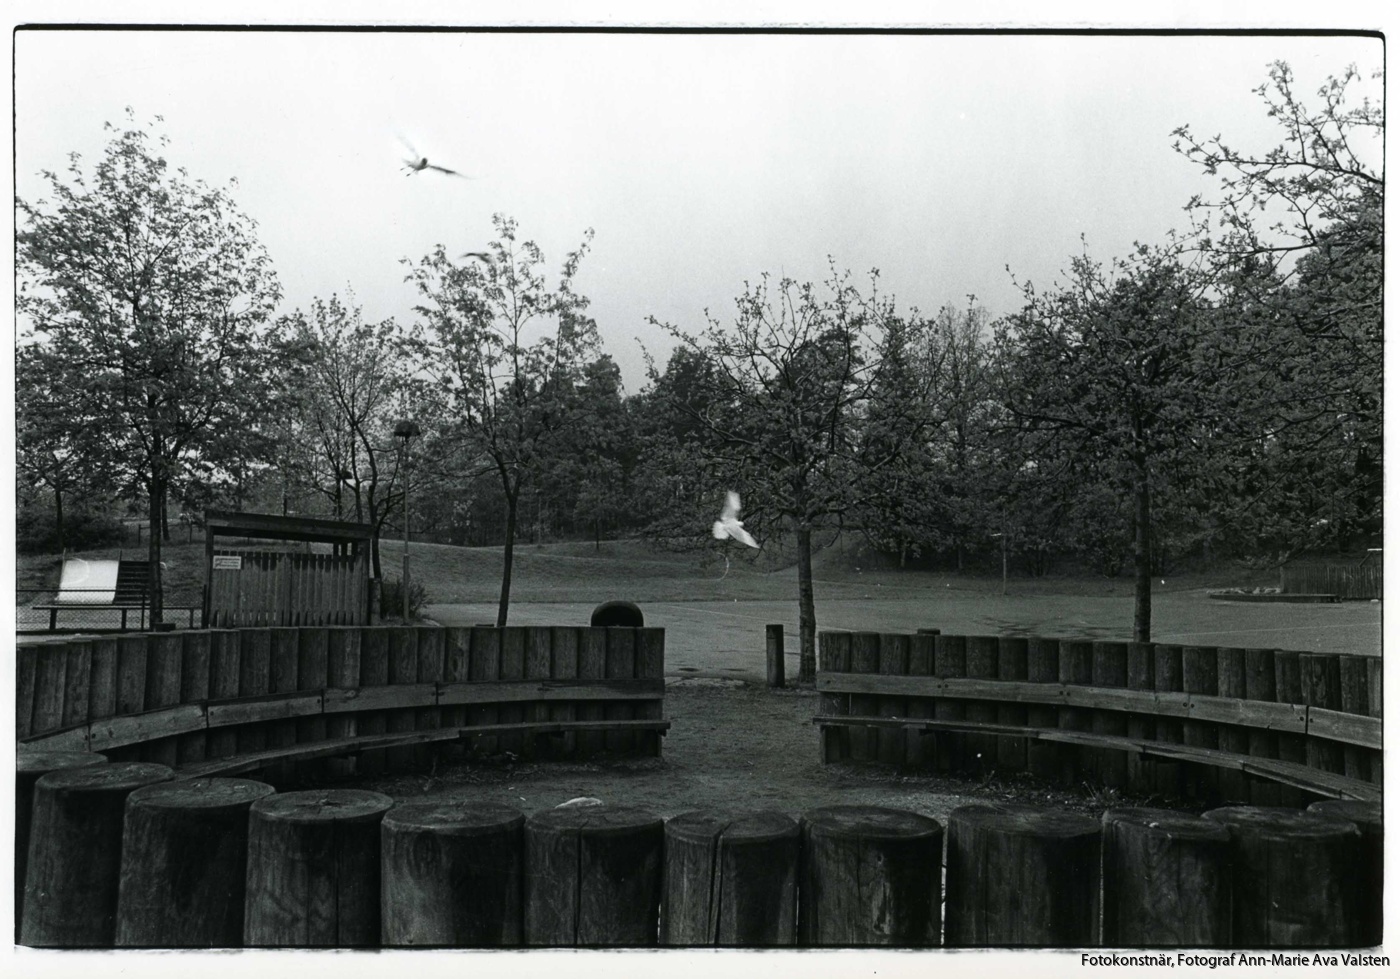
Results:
35 532
391 598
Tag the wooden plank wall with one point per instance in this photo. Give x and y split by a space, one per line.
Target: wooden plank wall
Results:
1326 721
280 588
193 696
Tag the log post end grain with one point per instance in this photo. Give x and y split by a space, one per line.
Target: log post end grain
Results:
74 864
593 876
1019 875
730 879
1368 817
314 869
870 876
1274 849
1166 879
184 863
453 875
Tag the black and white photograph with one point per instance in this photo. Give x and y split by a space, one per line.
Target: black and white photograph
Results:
852 492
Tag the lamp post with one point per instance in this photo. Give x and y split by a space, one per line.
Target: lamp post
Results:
405 430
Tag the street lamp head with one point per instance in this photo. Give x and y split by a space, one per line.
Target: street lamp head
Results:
406 429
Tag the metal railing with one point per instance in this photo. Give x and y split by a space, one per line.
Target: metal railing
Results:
72 610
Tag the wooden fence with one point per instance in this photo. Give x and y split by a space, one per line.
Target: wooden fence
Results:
1215 723
281 588
1351 581
218 701
124 855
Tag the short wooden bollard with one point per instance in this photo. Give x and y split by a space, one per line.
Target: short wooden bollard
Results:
1368 818
30 766
184 863
313 869
730 879
75 851
453 875
870 876
592 876
1166 879
1294 877
1018 875
776 665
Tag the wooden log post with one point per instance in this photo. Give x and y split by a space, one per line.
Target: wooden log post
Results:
132 656
651 665
730 879
312 654
865 658
184 863
453 875
1142 773
342 673
456 668
31 765
403 670
1043 758
894 661
1110 669
1370 889
564 643
1259 685
77 685
432 655
26 671
1076 669
194 689
539 665
283 678
1355 681
485 668
835 657
593 877
1294 877
163 690
621 665
1018 875
777 665
1012 654
870 876
982 665
1200 674
224 656
1234 786
512 661
1171 777
1375 676
75 849
50 679
1321 675
254 680
314 869
950 660
374 672
1288 687
919 745
1166 879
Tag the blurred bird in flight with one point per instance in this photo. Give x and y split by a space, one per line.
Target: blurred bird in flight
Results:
729 524
417 163
481 255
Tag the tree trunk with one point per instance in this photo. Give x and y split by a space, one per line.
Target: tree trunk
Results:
157 495
58 518
165 512
1142 552
512 501
806 608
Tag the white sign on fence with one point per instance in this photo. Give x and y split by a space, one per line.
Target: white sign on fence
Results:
228 562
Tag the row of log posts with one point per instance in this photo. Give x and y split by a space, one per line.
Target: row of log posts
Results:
1330 682
121 854
80 682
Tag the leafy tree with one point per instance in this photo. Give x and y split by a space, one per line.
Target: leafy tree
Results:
500 354
148 295
1114 365
793 376
1294 241
347 403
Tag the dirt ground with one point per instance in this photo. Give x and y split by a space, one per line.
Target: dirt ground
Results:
731 745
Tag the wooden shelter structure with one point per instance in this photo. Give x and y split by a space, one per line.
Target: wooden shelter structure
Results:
245 587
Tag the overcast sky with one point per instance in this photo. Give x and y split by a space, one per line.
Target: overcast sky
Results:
700 160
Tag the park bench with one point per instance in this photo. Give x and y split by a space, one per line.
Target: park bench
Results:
1121 714
102 586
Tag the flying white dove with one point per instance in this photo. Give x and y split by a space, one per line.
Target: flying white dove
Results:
729 524
417 163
